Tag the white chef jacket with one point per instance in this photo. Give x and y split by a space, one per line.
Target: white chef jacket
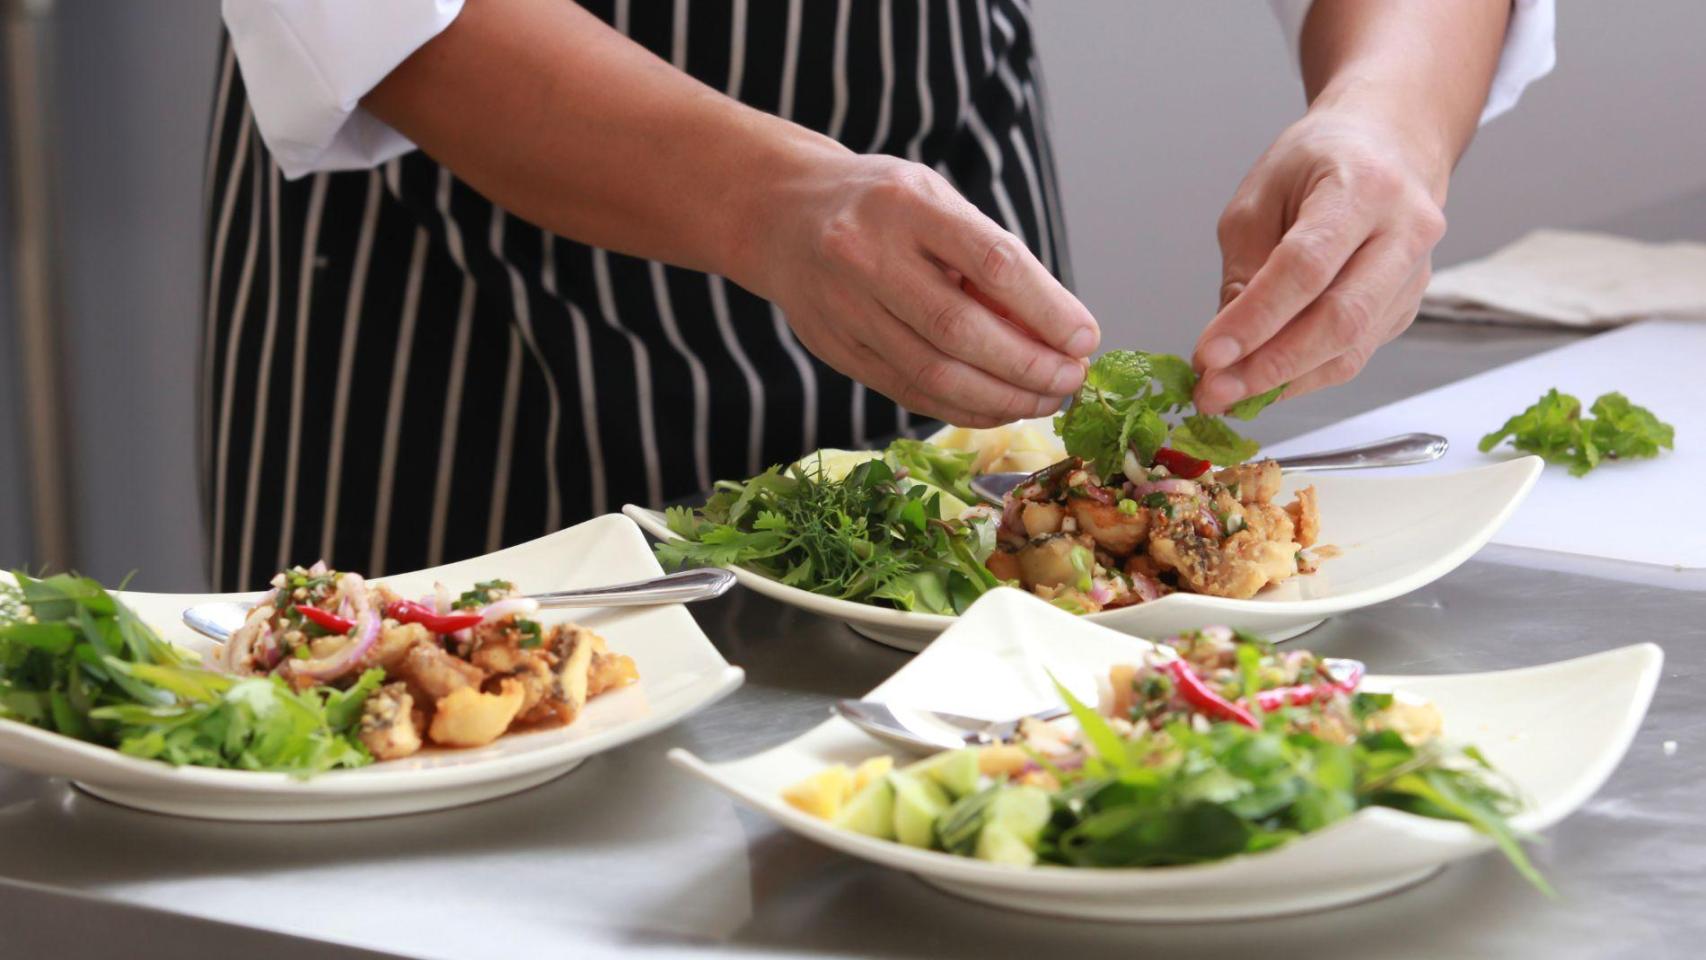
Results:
308 63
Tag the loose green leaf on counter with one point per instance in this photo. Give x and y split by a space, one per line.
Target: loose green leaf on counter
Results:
1554 428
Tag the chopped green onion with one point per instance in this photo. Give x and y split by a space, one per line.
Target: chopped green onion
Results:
1128 506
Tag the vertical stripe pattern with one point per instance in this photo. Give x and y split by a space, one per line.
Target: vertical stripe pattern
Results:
396 374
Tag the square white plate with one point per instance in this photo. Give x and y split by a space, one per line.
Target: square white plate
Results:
1395 534
680 673
1556 731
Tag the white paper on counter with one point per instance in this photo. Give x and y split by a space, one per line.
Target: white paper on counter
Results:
1640 511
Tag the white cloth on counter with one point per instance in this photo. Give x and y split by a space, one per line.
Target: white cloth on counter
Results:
1574 279
308 63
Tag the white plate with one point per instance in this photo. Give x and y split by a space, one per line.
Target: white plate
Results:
1395 533
680 672
1557 731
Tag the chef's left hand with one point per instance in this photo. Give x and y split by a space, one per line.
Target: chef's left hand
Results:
1326 249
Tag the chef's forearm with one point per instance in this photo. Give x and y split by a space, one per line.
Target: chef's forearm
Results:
1420 66
560 119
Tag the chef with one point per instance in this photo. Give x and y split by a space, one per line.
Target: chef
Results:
480 269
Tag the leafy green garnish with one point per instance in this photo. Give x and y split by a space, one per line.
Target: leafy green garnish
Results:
1209 438
872 535
253 723
76 661
483 593
1554 428
1192 793
1121 406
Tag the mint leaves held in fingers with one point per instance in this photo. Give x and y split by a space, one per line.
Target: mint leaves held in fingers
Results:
1121 406
1209 438
1247 408
1554 428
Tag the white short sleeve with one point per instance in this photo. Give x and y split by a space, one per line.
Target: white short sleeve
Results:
308 63
1529 52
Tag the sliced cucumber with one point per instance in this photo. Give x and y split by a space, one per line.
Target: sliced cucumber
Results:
997 844
954 770
871 811
917 804
1021 811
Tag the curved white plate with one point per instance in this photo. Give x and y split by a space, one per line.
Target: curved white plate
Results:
1557 731
1395 533
680 672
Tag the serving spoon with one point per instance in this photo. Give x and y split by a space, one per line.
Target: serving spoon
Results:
932 731
219 619
1400 451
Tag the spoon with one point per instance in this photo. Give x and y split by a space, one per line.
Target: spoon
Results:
930 731
1399 451
220 618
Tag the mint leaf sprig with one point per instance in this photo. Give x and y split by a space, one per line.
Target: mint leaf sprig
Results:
1554 428
1126 395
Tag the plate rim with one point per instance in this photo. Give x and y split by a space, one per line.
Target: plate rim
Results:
651 522
1054 878
721 679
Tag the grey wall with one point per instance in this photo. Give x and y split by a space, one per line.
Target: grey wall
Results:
135 81
1159 108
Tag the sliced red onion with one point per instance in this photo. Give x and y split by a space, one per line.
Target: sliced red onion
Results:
1218 633
1146 587
269 650
1133 470
1187 488
340 663
440 598
318 569
509 606
237 649
1101 592
1206 517
1099 494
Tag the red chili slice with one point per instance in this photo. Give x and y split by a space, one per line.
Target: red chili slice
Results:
1181 465
325 618
408 611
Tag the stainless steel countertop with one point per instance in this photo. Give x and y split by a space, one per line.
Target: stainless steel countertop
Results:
628 855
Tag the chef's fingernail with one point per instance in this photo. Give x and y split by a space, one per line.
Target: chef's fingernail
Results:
1081 343
1068 378
1223 390
1218 353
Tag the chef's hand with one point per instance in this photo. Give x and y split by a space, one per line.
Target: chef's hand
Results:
865 256
1326 249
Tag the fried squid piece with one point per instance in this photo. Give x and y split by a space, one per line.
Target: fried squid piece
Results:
469 718
1252 482
388 723
437 674
1305 517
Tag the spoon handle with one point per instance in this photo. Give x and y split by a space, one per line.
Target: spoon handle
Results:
683 587
1409 448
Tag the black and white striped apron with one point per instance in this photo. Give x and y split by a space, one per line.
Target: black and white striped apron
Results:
397 373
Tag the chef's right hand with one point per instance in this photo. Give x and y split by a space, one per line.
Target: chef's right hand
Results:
865 256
